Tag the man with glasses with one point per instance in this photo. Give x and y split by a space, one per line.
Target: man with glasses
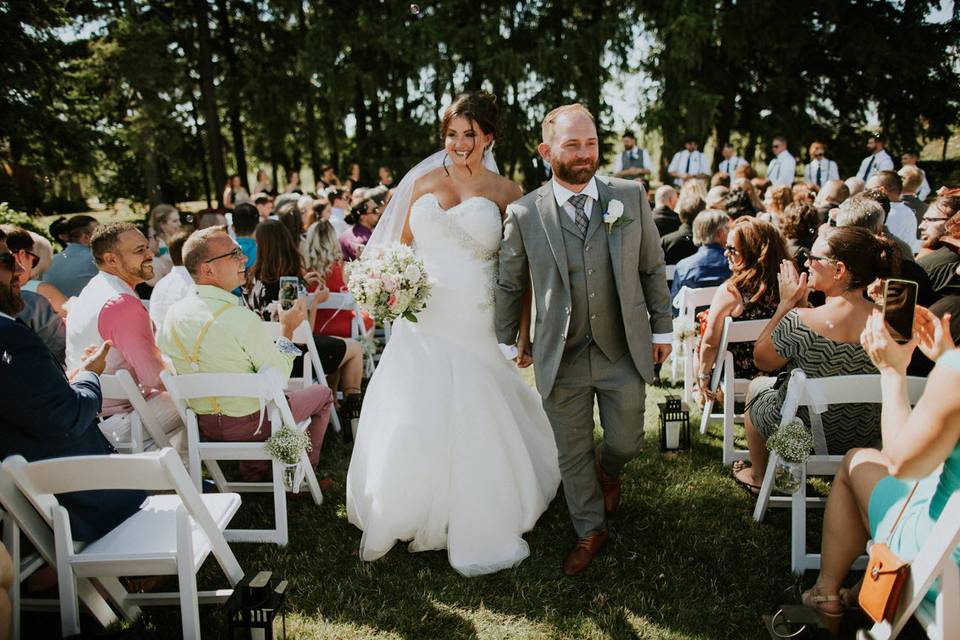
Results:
108 308
212 332
783 167
37 313
47 414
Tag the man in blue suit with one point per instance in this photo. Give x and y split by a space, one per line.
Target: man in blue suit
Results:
45 414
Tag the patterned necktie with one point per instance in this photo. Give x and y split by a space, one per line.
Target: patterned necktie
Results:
578 201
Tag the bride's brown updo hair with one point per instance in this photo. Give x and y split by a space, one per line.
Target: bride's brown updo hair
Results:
479 107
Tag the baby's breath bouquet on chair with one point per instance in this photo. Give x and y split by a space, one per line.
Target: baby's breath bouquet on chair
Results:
286 446
389 282
792 442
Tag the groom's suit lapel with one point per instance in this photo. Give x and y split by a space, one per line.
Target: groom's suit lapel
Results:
550 219
606 193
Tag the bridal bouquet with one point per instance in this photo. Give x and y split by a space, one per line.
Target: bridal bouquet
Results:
389 282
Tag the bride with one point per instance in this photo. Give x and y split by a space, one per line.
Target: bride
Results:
453 450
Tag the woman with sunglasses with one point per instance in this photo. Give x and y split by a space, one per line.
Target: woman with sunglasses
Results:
823 341
754 251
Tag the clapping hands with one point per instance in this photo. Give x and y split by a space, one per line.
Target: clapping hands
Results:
793 286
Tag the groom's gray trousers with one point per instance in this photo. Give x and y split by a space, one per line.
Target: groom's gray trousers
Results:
620 392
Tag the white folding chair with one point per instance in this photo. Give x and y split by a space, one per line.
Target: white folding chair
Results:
171 534
302 335
121 386
725 376
941 619
344 301
817 394
267 388
688 301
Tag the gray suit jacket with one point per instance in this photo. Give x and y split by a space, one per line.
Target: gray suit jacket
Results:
533 243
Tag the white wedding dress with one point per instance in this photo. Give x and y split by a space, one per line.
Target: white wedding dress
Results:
453 449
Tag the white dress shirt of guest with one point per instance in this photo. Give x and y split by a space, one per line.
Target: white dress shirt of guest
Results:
820 170
901 220
689 163
878 160
910 159
172 288
731 161
783 167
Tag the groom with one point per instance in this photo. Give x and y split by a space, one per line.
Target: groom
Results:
603 315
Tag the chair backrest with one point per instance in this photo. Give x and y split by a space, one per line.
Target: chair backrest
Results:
733 332
302 335
344 301
266 386
688 300
121 386
670 270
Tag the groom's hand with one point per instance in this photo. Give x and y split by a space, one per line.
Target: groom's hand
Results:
661 352
524 355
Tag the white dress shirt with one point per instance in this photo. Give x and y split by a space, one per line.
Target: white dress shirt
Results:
730 166
924 189
783 169
828 171
881 161
173 287
634 154
902 223
699 165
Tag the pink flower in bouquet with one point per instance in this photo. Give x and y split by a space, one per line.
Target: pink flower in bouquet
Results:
389 284
392 301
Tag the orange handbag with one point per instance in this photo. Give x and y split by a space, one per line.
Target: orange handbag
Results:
885 577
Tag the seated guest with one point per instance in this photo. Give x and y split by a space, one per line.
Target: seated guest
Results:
777 198
901 221
942 224
912 178
363 218
719 180
854 185
872 486
798 224
679 244
46 415
212 332
278 257
865 212
174 286
803 192
109 309
325 256
830 196
71 269
878 196
708 266
716 197
37 313
292 218
664 216
164 223
245 221
739 204
755 251
44 252
823 341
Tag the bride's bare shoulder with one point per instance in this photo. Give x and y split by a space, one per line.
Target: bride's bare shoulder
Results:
504 191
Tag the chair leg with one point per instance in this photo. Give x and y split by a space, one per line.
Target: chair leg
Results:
279 504
217 474
311 477
11 539
729 418
187 577
69 607
798 526
766 489
947 611
705 417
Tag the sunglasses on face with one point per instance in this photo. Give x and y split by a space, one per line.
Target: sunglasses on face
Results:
731 249
235 254
34 258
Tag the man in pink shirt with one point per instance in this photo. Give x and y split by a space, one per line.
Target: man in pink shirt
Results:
108 309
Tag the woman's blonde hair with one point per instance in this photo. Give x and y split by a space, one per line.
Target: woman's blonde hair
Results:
323 247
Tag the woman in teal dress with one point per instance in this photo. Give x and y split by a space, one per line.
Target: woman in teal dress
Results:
871 487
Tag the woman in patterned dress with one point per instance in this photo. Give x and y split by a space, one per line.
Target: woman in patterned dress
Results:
823 341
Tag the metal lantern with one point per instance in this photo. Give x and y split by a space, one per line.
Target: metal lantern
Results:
254 605
674 425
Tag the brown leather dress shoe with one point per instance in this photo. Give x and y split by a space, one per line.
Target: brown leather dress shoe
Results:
578 559
610 486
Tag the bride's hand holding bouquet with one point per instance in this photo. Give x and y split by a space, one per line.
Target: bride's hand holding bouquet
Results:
389 282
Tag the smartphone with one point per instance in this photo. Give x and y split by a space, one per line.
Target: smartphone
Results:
289 291
899 306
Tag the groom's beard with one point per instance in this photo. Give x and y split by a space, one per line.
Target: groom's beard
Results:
11 303
571 174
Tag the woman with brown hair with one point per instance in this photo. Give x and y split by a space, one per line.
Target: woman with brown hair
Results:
776 199
823 341
799 224
754 251
278 256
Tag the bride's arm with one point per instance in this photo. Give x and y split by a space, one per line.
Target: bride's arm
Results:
406 236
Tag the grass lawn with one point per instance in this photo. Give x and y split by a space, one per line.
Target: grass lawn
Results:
685 561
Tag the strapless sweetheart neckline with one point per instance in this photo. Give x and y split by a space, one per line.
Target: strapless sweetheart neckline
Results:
459 204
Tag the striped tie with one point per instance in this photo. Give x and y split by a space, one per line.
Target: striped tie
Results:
578 201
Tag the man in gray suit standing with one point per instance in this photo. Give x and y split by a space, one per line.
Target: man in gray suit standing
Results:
603 317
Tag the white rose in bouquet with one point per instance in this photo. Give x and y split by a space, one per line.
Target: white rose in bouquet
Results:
389 283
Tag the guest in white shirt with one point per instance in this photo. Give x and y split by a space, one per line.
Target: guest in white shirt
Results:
174 286
820 170
730 161
634 162
783 168
878 160
909 159
689 163
901 220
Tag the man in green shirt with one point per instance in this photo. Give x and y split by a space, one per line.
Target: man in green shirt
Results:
213 332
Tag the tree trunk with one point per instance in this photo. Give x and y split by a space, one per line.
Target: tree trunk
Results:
198 133
310 119
233 93
209 97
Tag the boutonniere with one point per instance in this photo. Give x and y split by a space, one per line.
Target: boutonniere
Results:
613 216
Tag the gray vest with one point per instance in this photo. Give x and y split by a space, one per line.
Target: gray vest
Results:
595 315
630 163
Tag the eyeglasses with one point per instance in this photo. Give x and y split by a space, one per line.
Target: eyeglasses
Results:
235 254
8 261
929 219
731 249
34 258
813 258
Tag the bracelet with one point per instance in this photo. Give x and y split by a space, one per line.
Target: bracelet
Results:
703 376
